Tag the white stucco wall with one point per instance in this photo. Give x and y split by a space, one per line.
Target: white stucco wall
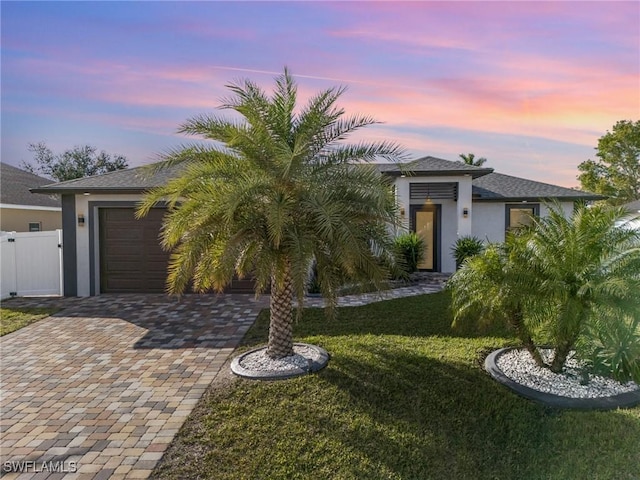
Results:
488 221
453 223
489 218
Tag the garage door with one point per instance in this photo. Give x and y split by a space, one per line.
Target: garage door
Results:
131 259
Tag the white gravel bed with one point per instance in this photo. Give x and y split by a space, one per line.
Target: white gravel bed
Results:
520 367
259 362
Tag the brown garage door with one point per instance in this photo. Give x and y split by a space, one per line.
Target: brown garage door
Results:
131 259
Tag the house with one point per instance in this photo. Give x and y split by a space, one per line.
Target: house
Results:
106 249
23 211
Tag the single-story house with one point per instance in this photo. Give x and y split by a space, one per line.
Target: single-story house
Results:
23 211
107 250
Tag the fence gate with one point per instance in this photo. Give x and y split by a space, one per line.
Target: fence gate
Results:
31 263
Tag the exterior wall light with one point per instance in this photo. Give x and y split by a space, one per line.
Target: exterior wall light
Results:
81 220
465 212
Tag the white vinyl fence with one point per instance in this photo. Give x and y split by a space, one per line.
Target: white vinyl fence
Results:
31 263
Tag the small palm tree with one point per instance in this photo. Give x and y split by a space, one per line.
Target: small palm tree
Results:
470 159
562 277
279 190
586 267
492 286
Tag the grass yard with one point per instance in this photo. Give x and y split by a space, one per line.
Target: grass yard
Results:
12 319
403 397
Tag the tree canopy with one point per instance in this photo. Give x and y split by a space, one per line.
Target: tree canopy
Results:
78 162
616 172
470 159
279 191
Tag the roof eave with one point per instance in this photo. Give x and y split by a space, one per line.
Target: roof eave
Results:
540 199
90 190
438 173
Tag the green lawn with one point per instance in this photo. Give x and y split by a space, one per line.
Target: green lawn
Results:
12 319
403 397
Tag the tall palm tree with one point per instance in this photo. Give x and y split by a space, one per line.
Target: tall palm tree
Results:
470 159
277 191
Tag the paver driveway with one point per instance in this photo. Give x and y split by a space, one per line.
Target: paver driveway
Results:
103 386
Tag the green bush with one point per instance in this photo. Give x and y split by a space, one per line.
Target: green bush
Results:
410 249
612 348
466 247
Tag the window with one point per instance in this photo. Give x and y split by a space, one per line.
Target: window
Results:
521 215
35 226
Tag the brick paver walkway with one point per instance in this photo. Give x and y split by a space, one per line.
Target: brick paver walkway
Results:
100 389
103 386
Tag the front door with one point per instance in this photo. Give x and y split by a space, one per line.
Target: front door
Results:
425 221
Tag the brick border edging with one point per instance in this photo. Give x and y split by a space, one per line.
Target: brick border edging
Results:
317 361
623 400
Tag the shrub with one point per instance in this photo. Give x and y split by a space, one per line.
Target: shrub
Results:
466 247
611 347
410 250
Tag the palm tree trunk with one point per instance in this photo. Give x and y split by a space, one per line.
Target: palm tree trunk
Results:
560 357
281 318
524 336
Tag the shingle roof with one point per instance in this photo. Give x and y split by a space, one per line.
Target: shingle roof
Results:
140 179
500 187
130 180
15 185
434 167
486 184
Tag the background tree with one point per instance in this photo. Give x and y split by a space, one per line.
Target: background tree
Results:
616 173
277 192
80 161
470 159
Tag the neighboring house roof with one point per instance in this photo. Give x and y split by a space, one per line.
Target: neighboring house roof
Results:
433 166
505 188
130 180
633 207
15 185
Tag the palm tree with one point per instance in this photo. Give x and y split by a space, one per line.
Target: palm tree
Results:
470 159
491 287
278 191
587 267
562 277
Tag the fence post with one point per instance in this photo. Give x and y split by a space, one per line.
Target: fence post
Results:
9 281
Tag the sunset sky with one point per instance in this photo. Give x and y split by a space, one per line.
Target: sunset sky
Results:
530 86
